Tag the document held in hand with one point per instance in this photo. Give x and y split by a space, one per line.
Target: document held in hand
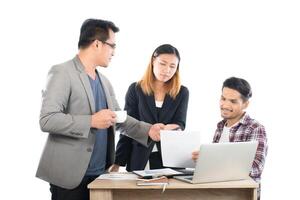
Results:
177 148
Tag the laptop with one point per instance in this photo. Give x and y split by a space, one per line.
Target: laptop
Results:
223 162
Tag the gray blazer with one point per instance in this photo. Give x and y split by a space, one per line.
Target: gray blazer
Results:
66 111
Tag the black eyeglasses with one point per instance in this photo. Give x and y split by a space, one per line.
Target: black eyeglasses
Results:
113 46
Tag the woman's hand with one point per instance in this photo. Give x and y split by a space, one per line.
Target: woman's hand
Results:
172 127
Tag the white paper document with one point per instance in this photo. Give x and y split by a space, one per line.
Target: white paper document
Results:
156 172
177 148
118 176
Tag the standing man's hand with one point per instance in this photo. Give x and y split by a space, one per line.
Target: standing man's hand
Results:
154 132
103 119
114 168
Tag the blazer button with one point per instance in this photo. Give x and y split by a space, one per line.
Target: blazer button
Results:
89 149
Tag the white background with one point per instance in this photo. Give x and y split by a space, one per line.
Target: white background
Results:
256 40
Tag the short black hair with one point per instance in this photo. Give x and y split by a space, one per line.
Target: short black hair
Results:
92 29
240 85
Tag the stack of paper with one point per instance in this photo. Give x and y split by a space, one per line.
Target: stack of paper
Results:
154 173
154 181
118 176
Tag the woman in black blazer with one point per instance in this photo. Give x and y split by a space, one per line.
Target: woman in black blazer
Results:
157 98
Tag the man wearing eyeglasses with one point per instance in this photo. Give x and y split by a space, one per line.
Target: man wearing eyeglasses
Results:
78 113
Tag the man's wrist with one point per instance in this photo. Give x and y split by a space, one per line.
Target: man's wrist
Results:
92 121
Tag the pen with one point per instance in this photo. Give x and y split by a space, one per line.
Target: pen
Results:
164 187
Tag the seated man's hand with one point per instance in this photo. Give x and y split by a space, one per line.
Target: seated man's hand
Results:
195 155
114 168
154 132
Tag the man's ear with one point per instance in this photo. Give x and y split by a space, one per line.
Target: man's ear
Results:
246 104
96 43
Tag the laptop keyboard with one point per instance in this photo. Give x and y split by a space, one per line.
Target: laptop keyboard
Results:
186 171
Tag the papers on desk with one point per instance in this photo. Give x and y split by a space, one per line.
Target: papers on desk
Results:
154 181
177 148
118 176
153 173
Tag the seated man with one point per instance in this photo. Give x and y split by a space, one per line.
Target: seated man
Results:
237 126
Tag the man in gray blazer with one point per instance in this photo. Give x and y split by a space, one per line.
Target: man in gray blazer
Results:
78 113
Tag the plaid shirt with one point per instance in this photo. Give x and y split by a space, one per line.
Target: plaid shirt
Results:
248 130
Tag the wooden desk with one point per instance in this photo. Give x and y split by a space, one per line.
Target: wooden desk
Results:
128 190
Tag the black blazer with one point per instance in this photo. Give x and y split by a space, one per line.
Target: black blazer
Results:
143 108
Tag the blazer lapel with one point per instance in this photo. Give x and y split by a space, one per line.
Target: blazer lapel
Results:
87 86
106 91
152 107
166 107
86 83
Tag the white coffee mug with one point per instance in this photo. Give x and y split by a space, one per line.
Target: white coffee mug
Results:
121 116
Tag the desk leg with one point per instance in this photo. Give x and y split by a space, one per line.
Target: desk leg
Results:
254 195
101 194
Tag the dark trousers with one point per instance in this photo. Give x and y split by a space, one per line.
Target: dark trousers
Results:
155 160
81 192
